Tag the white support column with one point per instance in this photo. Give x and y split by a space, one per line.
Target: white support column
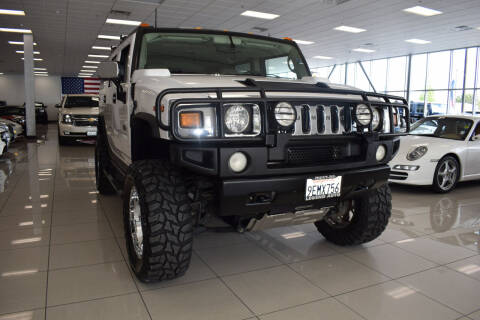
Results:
29 86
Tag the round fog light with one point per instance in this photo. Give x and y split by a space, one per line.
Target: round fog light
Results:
381 152
237 162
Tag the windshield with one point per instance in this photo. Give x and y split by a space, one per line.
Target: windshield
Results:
81 102
439 127
197 53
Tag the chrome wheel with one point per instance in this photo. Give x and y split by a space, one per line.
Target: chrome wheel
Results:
447 174
135 219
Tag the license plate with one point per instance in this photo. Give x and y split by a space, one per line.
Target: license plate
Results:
91 133
323 188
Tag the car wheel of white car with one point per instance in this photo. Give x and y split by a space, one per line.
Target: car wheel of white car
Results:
446 174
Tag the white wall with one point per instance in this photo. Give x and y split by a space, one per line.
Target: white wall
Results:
47 90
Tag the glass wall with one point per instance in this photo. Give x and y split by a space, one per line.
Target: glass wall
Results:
446 82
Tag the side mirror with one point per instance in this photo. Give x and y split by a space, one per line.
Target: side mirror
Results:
476 137
108 70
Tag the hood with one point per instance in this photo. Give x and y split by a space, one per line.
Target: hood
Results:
88 111
436 146
162 77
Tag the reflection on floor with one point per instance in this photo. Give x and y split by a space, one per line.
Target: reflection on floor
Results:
62 256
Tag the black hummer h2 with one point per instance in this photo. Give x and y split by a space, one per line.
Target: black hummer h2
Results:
198 123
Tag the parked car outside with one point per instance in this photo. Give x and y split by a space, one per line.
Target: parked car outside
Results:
439 151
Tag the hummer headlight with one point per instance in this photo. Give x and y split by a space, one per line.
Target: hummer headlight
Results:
67 118
363 115
285 114
237 118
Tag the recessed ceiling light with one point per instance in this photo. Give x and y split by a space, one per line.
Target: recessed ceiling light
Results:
125 22
423 11
107 37
101 48
34 52
97 56
1 73
91 61
349 29
86 70
260 15
15 30
12 12
36 59
418 41
303 41
364 50
41 74
90 67
39 68
20 43
323 57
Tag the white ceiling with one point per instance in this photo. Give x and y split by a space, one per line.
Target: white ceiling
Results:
65 30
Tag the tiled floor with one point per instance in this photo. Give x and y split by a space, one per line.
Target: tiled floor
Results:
62 256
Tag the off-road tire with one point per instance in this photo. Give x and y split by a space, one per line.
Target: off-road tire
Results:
102 162
166 217
372 212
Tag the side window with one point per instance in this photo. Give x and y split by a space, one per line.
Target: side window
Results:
476 133
123 64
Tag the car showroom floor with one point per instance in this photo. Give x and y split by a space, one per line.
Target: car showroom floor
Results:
62 256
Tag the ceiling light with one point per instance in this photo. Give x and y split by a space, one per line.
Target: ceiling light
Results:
418 41
422 11
1 73
125 22
12 12
41 75
15 30
21 51
103 36
323 57
364 50
349 29
260 15
91 67
35 59
88 61
40 69
101 48
20 43
86 70
40 72
97 56
303 41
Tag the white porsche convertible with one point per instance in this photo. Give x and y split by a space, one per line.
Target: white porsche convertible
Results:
439 151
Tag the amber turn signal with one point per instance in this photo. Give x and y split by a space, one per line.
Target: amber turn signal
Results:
191 119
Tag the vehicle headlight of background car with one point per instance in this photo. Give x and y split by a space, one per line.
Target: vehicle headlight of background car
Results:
417 153
66 118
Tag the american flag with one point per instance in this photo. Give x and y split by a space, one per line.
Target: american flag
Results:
74 85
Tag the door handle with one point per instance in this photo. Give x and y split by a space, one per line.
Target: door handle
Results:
114 98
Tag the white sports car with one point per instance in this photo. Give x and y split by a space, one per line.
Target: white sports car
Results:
439 151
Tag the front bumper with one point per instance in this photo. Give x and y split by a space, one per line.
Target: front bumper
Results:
421 177
286 193
68 130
